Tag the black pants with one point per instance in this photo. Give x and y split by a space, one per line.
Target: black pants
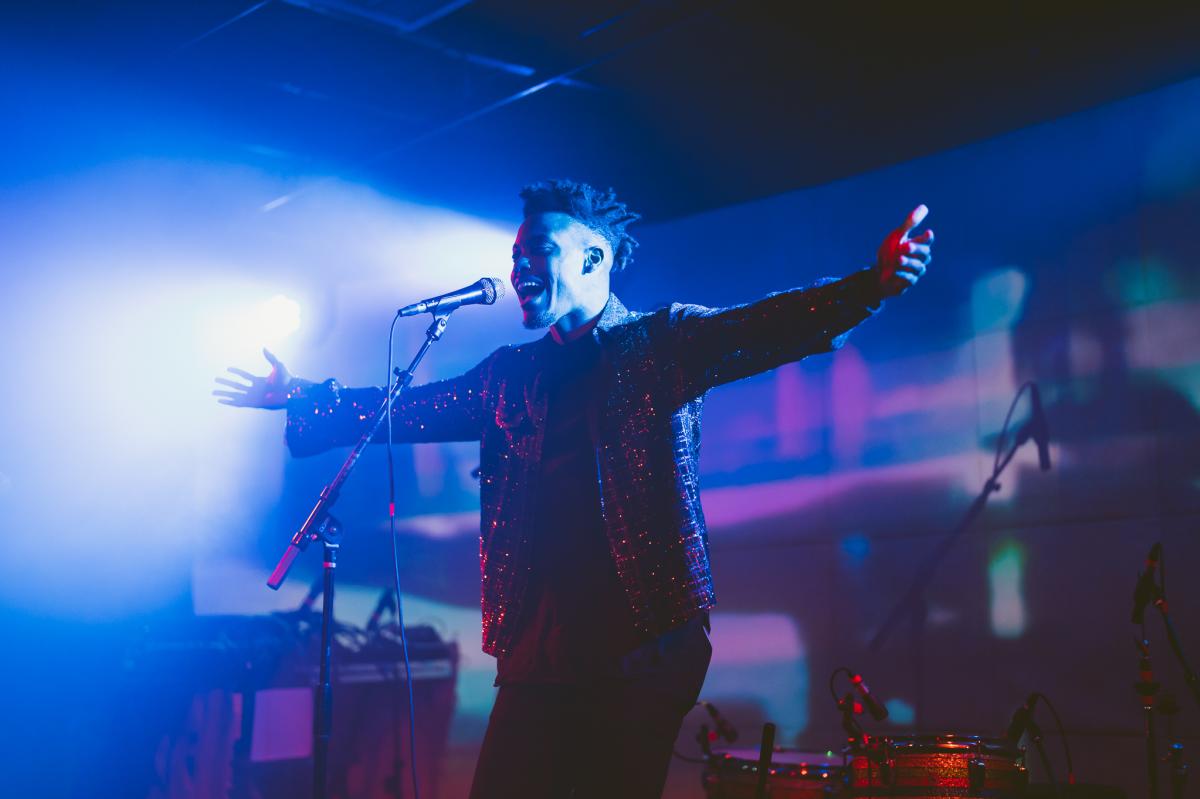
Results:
610 738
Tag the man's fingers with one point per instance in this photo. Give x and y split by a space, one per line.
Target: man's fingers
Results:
243 373
925 237
919 251
915 218
233 384
911 266
271 359
228 397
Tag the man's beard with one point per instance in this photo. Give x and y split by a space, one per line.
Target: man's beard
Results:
537 321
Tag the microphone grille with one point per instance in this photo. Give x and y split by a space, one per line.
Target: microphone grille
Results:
493 289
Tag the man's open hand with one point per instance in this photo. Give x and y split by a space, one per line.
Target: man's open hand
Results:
263 392
903 257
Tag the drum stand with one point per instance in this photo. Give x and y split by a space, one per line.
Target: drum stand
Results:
321 524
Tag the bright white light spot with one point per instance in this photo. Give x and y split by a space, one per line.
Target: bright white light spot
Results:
279 317
236 332
1005 572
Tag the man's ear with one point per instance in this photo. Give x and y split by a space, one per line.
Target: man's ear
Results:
593 257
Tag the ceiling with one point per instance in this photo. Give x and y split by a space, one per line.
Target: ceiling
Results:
683 106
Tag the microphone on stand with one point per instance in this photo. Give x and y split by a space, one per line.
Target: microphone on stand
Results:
876 708
1146 591
485 291
1021 719
723 727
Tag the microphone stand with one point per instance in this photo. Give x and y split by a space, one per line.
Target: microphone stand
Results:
913 603
321 525
1147 689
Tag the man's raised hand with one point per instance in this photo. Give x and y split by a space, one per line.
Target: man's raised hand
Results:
903 257
262 392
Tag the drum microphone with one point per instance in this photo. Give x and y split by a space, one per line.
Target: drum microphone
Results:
1146 592
724 728
876 708
1022 718
483 292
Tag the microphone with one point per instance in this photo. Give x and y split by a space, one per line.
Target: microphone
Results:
483 292
1022 719
1146 591
1037 429
724 728
873 705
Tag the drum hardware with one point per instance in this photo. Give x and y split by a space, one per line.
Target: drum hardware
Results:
1147 592
791 774
938 765
976 773
766 749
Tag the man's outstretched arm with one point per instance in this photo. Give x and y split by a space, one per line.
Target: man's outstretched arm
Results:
325 415
706 347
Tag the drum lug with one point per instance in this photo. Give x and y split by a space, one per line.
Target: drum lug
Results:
976 773
887 772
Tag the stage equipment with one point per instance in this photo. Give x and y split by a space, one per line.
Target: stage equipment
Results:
484 292
723 728
791 774
1023 722
322 525
765 749
947 766
912 604
225 701
1148 592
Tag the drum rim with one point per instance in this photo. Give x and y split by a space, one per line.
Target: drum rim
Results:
944 743
724 759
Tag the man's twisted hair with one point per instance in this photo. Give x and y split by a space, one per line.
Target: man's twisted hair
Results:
599 210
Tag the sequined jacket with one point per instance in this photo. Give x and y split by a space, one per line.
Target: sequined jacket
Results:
645 424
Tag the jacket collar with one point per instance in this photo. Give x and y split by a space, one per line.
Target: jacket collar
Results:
614 313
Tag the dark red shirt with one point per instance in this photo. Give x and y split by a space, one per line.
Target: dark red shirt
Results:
577 624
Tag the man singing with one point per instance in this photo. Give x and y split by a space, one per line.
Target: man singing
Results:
593 547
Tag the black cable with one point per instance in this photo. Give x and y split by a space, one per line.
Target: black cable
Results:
391 472
832 691
1062 733
1004 428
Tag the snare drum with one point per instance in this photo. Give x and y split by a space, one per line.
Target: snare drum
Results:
733 774
942 766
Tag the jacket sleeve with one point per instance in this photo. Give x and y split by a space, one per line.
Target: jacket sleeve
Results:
706 347
321 416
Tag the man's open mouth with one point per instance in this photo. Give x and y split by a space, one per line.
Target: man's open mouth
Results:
529 288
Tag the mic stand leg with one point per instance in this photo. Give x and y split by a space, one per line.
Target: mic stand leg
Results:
1169 707
323 697
1147 689
1189 676
1035 736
